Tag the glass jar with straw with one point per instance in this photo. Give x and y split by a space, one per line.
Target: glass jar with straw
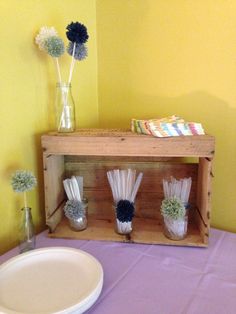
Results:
175 207
124 187
76 207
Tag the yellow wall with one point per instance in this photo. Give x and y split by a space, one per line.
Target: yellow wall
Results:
162 57
27 85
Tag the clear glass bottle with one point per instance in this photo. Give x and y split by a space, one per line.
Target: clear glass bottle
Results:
27 235
65 108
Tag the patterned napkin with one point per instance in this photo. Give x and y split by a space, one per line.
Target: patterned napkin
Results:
166 127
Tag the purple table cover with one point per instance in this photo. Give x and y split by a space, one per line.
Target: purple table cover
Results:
156 279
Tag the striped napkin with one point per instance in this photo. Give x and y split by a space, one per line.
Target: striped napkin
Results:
166 127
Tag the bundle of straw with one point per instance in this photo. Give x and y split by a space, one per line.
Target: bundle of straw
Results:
74 188
124 187
75 208
177 188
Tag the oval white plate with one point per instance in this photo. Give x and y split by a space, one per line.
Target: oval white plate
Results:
51 280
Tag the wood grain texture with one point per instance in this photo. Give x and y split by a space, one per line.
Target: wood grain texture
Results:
54 193
108 143
147 231
204 196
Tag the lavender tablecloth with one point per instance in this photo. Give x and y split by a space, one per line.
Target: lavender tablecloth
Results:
154 279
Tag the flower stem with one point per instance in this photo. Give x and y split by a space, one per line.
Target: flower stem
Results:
25 199
72 63
58 70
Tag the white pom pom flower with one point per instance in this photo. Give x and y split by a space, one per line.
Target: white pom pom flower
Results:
44 33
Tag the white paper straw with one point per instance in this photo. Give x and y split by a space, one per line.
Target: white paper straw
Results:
165 188
80 181
133 176
110 179
123 184
177 188
67 189
115 186
75 187
129 187
136 187
117 180
72 63
189 181
71 189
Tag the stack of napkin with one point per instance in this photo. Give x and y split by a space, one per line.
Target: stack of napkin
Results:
166 127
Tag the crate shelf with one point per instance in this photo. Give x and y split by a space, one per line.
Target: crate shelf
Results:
91 153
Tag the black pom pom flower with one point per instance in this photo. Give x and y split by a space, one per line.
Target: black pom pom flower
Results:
124 211
77 33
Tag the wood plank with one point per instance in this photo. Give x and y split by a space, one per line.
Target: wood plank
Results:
147 231
109 143
119 159
204 196
53 188
95 173
53 221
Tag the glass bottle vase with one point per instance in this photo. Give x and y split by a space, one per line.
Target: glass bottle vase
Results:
65 108
27 235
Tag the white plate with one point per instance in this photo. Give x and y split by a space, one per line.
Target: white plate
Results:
51 280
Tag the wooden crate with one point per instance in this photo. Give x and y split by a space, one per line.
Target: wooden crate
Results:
91 153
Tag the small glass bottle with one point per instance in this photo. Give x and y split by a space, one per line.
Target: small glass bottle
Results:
27 235
65 108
